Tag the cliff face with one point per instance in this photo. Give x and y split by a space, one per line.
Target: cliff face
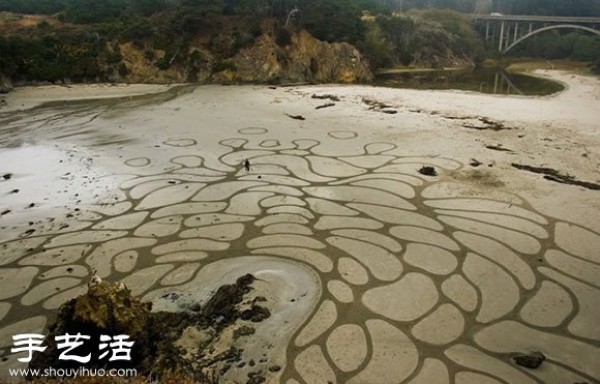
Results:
305 59
141 69
221 49
224 49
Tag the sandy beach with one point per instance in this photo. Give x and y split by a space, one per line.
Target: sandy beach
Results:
375 270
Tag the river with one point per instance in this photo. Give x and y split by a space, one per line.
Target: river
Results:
484 80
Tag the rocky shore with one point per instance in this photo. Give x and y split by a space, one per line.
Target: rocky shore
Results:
187 342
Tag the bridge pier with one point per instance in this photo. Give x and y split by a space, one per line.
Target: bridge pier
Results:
500 46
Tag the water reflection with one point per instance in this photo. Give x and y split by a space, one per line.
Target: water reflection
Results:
484 80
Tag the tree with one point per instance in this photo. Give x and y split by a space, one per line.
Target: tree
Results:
47 7
147 7
332 20
94 11
257 8
378 49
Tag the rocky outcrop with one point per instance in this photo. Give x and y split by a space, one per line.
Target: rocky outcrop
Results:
189 343
106 309
137 67
305 59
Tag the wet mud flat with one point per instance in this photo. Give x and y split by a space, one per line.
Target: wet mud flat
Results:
388 247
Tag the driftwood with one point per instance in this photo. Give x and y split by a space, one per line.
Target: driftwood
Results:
296 117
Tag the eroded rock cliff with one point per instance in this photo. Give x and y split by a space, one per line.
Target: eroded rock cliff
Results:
172 49
304 59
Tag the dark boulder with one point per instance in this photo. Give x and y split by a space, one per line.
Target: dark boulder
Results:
530 360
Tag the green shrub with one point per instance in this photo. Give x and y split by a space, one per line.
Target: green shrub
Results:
164 63
596 67
586 47
113 57
240 40
256 29
94 11
123 71
378 49
43 25
196 58
283 37
332 20
149 54
222 65
424 36
138 29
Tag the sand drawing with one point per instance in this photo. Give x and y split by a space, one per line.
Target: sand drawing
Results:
392 276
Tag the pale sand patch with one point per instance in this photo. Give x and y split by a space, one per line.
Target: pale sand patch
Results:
347 346
430 331
457 289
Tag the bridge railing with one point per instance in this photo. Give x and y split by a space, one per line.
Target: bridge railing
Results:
538 19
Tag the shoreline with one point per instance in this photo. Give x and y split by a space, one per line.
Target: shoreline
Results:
27 97
419 70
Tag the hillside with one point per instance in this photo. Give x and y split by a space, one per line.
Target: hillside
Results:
160 41
44 49
251 41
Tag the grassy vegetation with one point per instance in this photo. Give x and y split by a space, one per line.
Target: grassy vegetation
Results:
559 45
436 38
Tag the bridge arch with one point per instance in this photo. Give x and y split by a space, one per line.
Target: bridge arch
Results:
544 29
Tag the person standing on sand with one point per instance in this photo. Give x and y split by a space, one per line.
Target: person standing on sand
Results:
247 165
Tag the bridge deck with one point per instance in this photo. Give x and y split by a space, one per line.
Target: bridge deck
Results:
533 18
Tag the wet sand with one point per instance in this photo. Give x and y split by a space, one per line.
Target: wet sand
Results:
453 272
23 98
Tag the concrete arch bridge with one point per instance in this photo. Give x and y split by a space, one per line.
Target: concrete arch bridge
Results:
508 31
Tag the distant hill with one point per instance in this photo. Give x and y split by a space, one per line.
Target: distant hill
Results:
88 10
